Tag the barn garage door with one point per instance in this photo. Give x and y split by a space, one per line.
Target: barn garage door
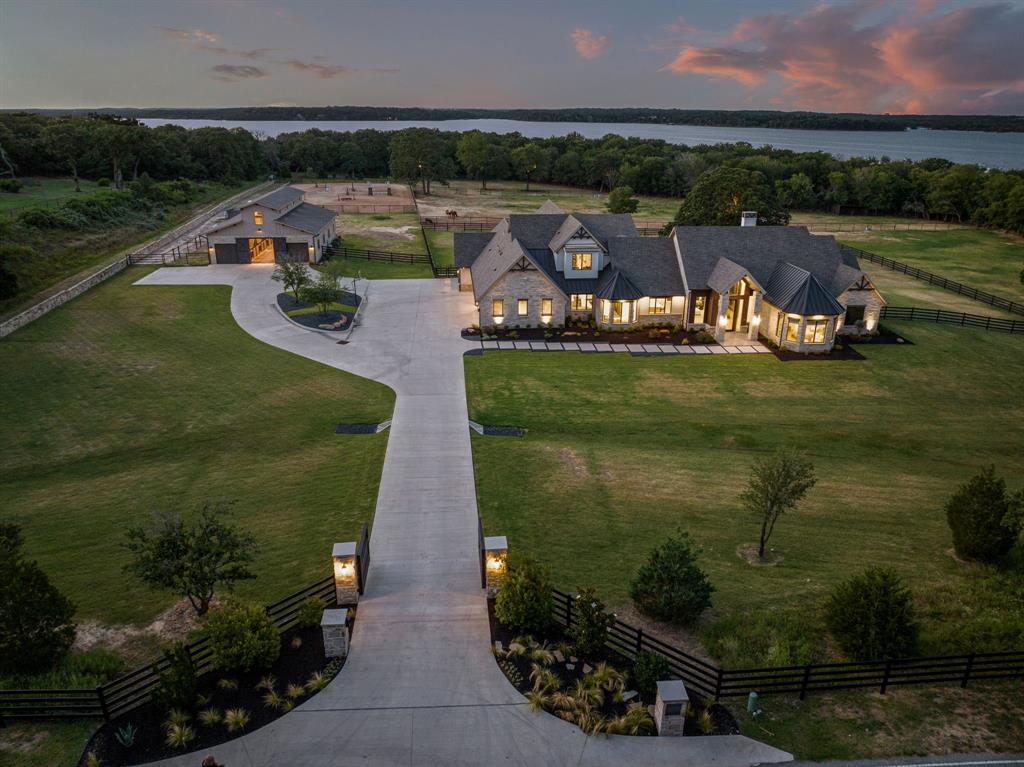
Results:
225 253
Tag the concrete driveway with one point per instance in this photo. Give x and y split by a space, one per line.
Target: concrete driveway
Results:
420 686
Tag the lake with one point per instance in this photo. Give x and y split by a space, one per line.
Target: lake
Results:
994 150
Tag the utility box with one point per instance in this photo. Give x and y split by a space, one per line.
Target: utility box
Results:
670 707
334 625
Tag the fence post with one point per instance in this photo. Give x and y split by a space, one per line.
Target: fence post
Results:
805 682
967 670
718 684
103 703
568 610
885 676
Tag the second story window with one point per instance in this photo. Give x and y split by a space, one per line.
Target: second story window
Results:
582 261
257 218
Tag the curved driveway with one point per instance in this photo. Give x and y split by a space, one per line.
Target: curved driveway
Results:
420 686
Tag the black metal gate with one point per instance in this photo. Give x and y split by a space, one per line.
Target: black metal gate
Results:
483 556
362 558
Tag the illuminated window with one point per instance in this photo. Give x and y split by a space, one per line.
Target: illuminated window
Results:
257 218
778 325
498 307
582 261
524 307
618 312
814 331
582 302
854 314
699 304
545 307
660 306
792 329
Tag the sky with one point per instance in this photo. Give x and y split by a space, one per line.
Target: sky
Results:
900 56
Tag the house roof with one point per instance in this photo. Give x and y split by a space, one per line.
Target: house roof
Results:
726 274
308 218
496 258
468 246
649 262
758 250
797 291
278 198
537 230
616 286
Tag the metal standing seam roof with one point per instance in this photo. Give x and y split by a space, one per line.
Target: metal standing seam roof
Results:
308 218
797 291
616 286
278 198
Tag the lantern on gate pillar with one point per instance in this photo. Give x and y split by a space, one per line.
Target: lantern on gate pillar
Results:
346 585
495 561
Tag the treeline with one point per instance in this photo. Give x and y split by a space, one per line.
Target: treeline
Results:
116 148
754 118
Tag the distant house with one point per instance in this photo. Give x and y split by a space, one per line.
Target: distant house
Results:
279 226
797 289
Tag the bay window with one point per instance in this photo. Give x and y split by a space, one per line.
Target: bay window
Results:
815 330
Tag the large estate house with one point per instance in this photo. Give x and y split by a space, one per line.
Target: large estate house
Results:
279 226
781 282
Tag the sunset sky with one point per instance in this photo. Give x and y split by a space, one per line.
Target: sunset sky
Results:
938 56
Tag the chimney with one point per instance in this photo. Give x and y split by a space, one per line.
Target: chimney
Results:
748 218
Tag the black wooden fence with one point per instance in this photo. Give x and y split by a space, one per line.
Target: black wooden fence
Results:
391 257
135 688
983 296
193 252
717 682
952 318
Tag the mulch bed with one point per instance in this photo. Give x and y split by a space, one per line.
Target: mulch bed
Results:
288 303
356 428
503 431
839 352
885 336
293 666
724 722
646 335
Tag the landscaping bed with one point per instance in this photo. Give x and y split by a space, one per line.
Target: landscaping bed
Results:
338 317
303 665
665 333
605 678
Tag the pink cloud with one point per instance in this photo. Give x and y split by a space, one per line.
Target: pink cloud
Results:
588 44
232 73
832 57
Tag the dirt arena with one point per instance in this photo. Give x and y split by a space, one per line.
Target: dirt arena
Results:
349 196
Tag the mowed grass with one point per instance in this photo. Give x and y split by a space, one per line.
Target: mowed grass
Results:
133 399
980 258
442 247
44 190
392 232
620 451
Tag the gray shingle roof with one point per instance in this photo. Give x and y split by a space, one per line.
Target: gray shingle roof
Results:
535 230
468 246
649 262
280 197
308 218
604 226
797 291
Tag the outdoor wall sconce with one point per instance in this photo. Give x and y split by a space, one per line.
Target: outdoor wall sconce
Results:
346 588
496 559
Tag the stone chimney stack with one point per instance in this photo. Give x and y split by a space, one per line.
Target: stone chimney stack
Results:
748 218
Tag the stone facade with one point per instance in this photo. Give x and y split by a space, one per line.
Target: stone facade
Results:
872 302
670 707
780 335
334 625
531 285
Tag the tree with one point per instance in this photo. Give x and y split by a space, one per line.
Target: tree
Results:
590 623
191 557
293 275
36 628
323 292
418 155
977 514
621 200
69 138
670 586
524 599
872 616
777 484
473 151
529 161
797 191
719 196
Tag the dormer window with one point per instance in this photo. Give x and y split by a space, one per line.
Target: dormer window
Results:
257 218
581 262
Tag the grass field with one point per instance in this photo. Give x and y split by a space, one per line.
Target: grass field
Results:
980 258
442 247
393 232
135 399
44 190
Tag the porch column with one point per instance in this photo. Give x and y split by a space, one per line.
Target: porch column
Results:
755 317
723 307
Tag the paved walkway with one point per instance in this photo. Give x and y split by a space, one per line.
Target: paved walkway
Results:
420 686
643 350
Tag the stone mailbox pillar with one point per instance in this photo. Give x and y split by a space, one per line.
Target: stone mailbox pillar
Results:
496 560
346 588
334 625
670 707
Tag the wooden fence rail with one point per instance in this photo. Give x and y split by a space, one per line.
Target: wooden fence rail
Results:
983 296
135 687
952 318
717 682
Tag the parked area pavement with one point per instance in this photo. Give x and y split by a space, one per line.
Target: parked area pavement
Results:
420 686
645 350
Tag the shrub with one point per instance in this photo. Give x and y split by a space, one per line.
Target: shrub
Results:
126 735
242 637
767 638
179 735
590 623
35 618
309 613
872 616
670 586
649 669
210 717
317 681
976 514
11 185
104 182
621 200
236 719
524 599
177 686
704 337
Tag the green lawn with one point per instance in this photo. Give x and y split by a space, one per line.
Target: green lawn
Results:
980 258
384 270
44 190
392 232
442 247
334 307
135 399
